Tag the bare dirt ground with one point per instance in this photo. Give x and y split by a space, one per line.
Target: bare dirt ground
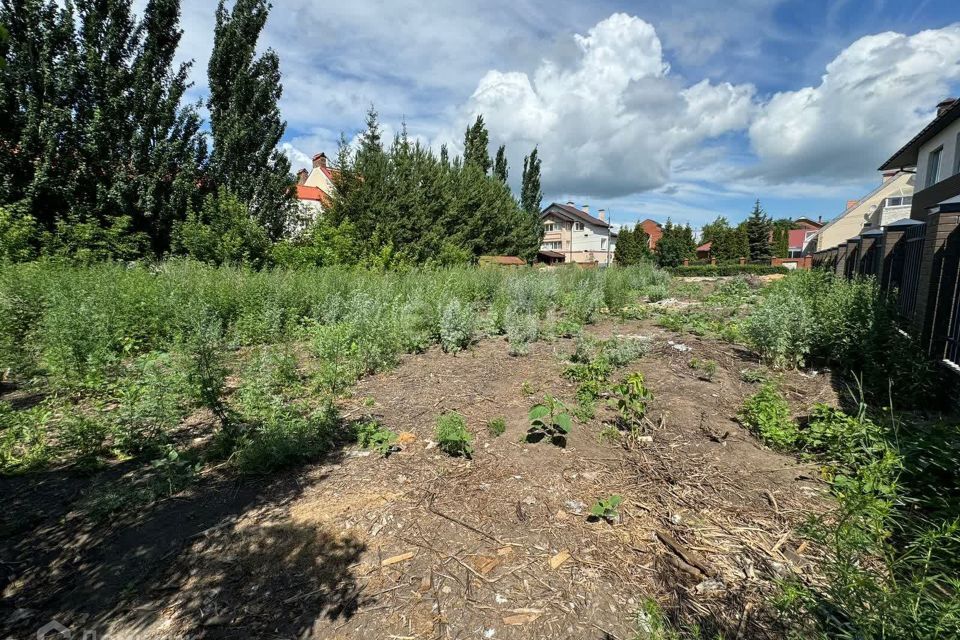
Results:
422 545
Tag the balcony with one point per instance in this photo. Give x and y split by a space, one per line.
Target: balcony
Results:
932 196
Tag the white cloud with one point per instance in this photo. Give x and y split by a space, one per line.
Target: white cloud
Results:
874 96
610 121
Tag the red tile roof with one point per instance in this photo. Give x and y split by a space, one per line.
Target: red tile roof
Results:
315 194
507 260
705 247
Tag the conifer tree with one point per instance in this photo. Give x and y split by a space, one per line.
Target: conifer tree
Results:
475 146
531 195
633 246
759 227
245 120
500 170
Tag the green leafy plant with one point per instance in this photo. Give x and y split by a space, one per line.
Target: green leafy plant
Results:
522 330
607 509
767 414
497 427
452 435
551 418
630 399
373 435
456 326
706 368
23 438
755 375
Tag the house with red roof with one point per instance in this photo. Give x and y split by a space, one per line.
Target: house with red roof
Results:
315 186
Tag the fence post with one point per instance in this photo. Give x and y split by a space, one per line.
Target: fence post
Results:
841 263
937 290
743 260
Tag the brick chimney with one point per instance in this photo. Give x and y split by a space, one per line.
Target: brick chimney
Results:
602 214
320 161
302 176
586 209
945 105
889 175
852 203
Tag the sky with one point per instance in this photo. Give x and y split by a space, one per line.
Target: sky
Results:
687 109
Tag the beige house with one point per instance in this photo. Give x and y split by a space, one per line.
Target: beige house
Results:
579 236
889 202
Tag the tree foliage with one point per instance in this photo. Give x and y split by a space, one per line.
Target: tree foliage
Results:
633 246
245 120
531 195
475 146
728 243
759 227
675 245
405 204
500 169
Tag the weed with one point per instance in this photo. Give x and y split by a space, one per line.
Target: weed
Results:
84 435
527 388
630 399
567 328
373 435
207 372
153 399
456 326
607 509
706 368
522 330
755 375
658 292
621 351
285 435
23 438
452 435
338 356
609 434
549 419
781 331
767 414
497 427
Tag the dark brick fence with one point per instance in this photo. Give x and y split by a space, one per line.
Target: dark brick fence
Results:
920 261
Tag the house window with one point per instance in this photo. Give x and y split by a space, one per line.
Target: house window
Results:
551 246
899 201
603 243
933 167
550 226
956 156
578 226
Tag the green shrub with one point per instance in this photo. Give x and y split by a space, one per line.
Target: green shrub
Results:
767 414
18 233
456 326
286 435
607 509
497 427
153 399
522 330
621 351
23 438
222 232
707 368
710 271
338 356
83 435
206 368
373 435
452 435
658 292
755 375
781 331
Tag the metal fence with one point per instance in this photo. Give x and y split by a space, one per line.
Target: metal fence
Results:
907 281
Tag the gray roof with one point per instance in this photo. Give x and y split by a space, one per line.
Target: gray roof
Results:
573 214
907 155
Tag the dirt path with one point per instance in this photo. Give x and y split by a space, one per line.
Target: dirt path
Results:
421 545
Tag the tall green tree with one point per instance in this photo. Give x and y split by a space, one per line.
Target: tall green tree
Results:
500 170
475 146
759 227
531 194
728 243
96 138
675 245
781 237
245 120
633 246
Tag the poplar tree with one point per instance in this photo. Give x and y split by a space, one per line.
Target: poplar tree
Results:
245 120
500 170
531 195
476 141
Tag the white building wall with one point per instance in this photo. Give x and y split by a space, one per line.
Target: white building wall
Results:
948 159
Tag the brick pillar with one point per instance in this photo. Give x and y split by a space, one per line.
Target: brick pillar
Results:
888 256
743 261
713 261
937 282
865 257
841 268
686 262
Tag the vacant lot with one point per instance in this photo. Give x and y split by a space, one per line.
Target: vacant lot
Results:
267 462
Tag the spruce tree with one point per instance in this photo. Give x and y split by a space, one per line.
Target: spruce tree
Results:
531 195
245 120
633 246
475 146
500 170
759 227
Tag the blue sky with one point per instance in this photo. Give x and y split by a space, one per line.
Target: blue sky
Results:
688 109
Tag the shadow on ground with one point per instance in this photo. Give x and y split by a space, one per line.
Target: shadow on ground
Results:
215 560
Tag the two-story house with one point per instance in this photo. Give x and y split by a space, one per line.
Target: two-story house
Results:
935 155
315 186
884 205
579 236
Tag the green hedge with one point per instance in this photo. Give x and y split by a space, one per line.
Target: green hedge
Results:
712 270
